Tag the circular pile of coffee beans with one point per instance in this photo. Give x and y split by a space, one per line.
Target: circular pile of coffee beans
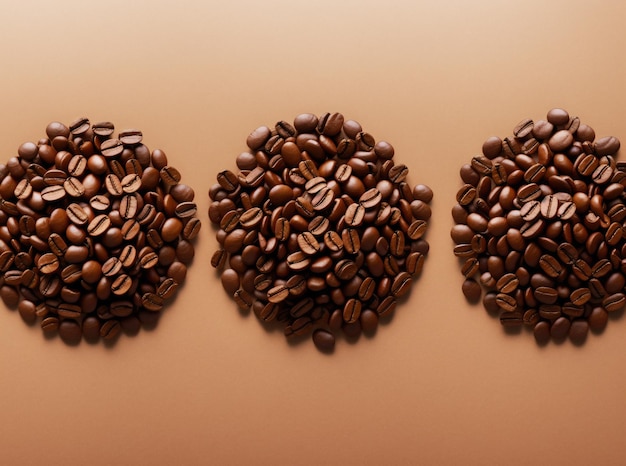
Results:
319 230
540 225
95 231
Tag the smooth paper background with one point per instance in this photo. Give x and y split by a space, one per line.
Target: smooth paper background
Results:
441 383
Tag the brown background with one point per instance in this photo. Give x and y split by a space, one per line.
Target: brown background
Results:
442 383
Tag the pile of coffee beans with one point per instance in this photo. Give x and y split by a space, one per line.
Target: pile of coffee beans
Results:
95 231
319 230
540 225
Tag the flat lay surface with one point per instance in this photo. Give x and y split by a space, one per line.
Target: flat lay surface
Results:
439 383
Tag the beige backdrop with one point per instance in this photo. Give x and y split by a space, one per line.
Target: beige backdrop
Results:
442 383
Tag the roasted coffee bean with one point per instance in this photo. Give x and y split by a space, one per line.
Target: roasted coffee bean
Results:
318 225
23 189
355 214
614 302
506 303
550 265
324 340
48 263
189 209
401 284
73 187
277 294
511 318
529 192
531 210
466 195
113 185
386 306
131 137
482 165
352 310
248 219
53 193
351 241
99 202
76 214
99 225
523 128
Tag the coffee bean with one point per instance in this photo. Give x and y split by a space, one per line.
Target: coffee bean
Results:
79 126
53 193
506 303
346 269
103 129
546 295
191 228
308 244
614 302
111 267
523 128
73 187
110 329
111 148
386 306
529 192
560 140
99 225
370 198
131 137
322 200
355 214
330 124
351 240
606 146
113 185
531 210
549 207
566 211
248 219
333 241
121 284
352 311
277 294
318 225
560 328
324 340
99 202
23 190
149 260
401 284
550 265
602 174
466 195
397 243
511 319
48 263
76 214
